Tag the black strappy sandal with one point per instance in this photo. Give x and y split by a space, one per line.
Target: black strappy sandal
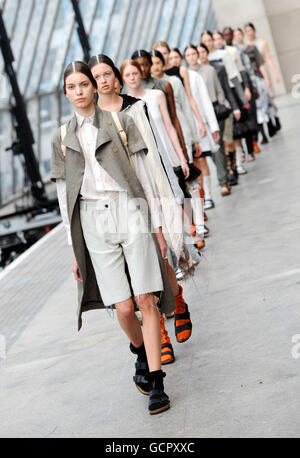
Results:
141 371
159 400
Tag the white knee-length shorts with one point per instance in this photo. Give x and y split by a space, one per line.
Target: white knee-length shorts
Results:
113 233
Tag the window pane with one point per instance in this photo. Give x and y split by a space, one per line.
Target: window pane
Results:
41 51
9 14
58 47
189 24
117 23
100 26
31 41
165 20
24 14
177 23
48 116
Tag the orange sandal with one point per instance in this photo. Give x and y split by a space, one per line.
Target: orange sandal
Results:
167 353
183 324
199 242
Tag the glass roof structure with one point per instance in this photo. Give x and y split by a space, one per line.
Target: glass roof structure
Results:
44 40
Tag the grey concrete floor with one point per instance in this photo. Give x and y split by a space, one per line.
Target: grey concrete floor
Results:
238 375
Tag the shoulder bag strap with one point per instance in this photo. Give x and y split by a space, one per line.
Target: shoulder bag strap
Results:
122 135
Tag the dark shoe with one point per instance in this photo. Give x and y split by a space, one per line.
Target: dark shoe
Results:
232 180
206 231
262 131
277 123
141 369
208 203
225 191
158 401
271 129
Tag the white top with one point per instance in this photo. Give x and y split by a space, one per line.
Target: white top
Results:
226 58
170 210
185 114
236 57
158 126
95 179
97 183
203 100
206 110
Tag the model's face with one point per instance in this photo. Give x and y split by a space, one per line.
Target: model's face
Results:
228 37
105 78
118 87
132 77
157 68
208 41
174 59
145 67
191 56
250 32
164 52
203 56
238 37
79 90
218 41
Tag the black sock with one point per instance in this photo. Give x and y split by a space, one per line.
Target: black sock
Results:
140 352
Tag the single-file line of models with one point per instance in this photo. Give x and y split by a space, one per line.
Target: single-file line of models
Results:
132 171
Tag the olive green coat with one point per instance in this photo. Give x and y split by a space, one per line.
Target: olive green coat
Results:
112 156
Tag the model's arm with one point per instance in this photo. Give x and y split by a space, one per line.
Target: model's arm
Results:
173 114
270 62
228 92
152 196
219 91
208 108
186 81
61 189
149 187
171 131
260 63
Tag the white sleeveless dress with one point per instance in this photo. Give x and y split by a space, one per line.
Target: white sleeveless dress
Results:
160 133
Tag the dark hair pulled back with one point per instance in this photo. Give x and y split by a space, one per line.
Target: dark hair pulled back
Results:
78 67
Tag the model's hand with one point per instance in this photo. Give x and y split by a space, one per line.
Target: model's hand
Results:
248 94
268 84
277 79
161 242
198 151
216 136
237 115
185 169
202 129
76 272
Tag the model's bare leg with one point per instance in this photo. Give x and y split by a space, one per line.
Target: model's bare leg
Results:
151 329
129 322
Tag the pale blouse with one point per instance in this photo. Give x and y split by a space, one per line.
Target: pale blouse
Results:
97 183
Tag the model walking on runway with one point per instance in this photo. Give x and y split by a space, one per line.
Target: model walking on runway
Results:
99 184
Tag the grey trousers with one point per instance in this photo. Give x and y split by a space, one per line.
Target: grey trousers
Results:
219 158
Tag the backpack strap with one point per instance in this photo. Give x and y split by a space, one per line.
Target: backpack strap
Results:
122 135
63 132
